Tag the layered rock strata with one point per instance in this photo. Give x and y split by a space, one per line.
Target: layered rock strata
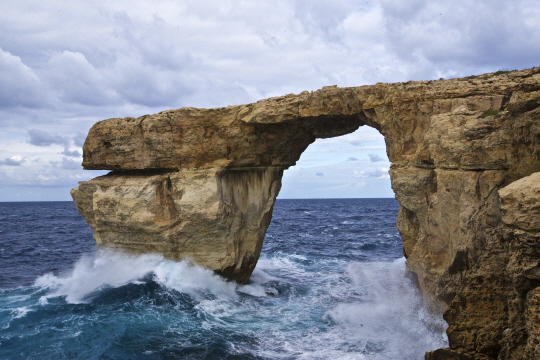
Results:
201 183
217 218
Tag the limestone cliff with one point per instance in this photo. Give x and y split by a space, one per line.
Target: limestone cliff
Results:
201 183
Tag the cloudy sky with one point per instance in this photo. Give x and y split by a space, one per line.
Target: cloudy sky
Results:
66 64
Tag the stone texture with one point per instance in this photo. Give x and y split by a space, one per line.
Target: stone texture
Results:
521 203
446 354
201 183
216 218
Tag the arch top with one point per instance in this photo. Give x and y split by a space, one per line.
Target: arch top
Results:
275 131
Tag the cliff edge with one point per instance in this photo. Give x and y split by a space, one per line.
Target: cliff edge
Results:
465 154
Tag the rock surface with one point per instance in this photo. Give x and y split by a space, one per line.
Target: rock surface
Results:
201 183
216 217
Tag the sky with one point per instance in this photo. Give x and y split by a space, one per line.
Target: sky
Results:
65 65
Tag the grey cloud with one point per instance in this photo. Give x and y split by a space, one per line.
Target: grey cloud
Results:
319 174
12 161
146 85
456 39
322 18
44 138
151 39
352 159
73 153
375 158
19 85
215 58
156 61
132 79
78 81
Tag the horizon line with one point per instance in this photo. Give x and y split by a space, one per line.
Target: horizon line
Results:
351 198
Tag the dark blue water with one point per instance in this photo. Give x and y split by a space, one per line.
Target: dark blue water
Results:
329 284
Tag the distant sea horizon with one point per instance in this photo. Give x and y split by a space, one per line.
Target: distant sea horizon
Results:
278 198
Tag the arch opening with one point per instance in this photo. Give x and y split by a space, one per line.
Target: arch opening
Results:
348 166
333 243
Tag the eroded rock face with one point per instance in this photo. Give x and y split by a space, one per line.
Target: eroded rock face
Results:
216 217
201 183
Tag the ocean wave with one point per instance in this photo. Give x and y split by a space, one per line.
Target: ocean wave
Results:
115 269
390 313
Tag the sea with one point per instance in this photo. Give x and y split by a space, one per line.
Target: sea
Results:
329 284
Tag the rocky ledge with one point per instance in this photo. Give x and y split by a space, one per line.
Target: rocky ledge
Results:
201 184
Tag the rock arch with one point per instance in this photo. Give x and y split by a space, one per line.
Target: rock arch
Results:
201 183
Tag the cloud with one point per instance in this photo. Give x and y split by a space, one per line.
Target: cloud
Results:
379 173
78 81
19 84
13 161
473 34
375 158
352 159
321 18
73 153
44 138
319 174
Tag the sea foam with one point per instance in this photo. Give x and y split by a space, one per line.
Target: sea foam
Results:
115 269
367 310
